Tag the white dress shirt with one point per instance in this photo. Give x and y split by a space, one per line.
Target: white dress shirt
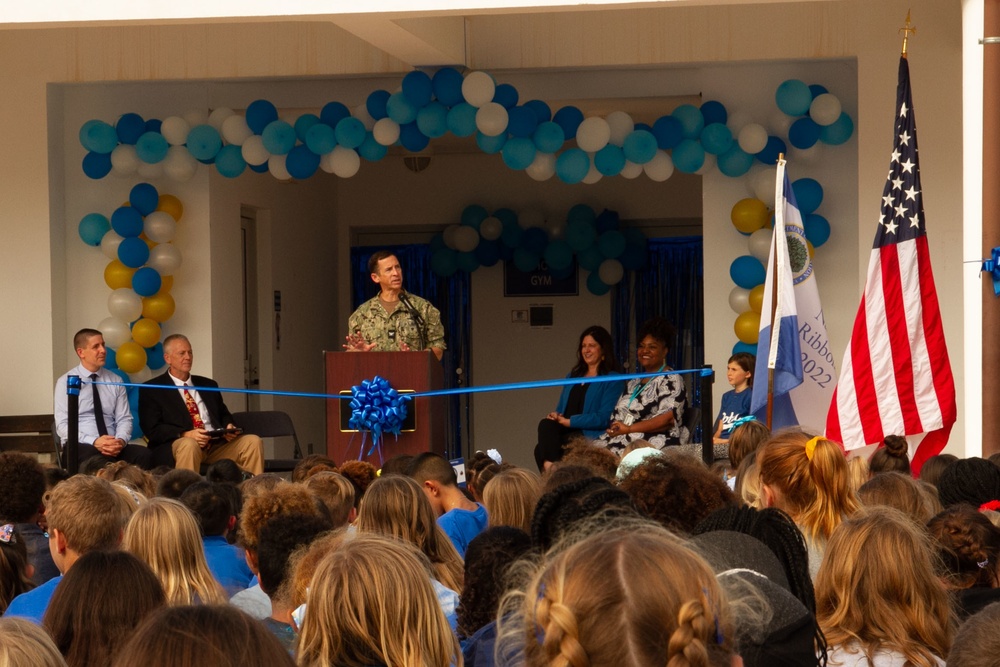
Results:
114 404
202 408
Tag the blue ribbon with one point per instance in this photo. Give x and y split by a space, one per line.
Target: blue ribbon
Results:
992 267
741 421
377 408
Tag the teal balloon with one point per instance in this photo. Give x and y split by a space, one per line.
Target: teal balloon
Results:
432 120
572 165
401 109
611 244
512 233
126 221
691 120
93 227
350 132
688 156
582 212
151 147
803 133
817 229
98 137
549 137
506 216
204 142
372 150
518 153
839 132
473 216
462 120
444 262
534 240
278 137
609 160
640 146
487 252
596 286
808 194
747 271
146 281
735 162
321 139
133 252
716 138
467 262
230 162
580 234
590 258
558 255
490 145
793 97
301 162
744 347
525 260
303 123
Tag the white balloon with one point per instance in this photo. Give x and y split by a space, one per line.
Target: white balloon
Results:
124 159
235 130
763 184
150 171
175 130
739 299
779 122
125 304
115 331
543 167
621 125
812 155
165 258
478 88
593 134
196 117
825 109
160 227
707 166
752 138
344 162
631 169
361 113
219 116
141 376
660 168
179 164
531 217
449 235
492 119
253 150
759 245
466 238
593 175
611 272
276 165
491 228
110 243
386 131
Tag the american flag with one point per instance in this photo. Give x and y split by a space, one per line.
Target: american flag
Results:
896 377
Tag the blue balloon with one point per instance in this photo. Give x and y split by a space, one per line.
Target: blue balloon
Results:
793 97
491 145
506 216
521 122
668 132
375 104
444 262
278 137
640 146
583 213
607 221
572 165
473 216
350 132
301 162
716 138
636 254
126 221
803 133
411 138
506 96
260 114
745 347
549 137
151 147
303 123
154 125
714 112
229 161
518 153
735 162
111 360
93 227
688 156
839 132
590 258
261 168
144 198
817 229
558 255
525 260
96 165
447 84
154 359
772 150
130 127
203 141
580 234
334 112
808 194
433 120
400 109
487 252
146 281
534 240
747 271
133 252
569 119
543 112
611 244
372 150
609 160
467 262
816 90
462 120
512 233
643 126
418 88
321 139
98 137
691 120
437 243
596 286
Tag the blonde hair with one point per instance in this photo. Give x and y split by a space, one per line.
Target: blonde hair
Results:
26 644
510 498
371 602
335 491
858 472
748 482
631 596
135 477
811 478
165 534
88 512
900 491
396 506
880 589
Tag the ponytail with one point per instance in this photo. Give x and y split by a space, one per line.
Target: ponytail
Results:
833 499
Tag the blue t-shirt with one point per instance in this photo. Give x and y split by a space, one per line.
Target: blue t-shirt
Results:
462 526
228 564
32 605
733 407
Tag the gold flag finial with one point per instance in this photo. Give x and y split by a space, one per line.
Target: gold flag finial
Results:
907 30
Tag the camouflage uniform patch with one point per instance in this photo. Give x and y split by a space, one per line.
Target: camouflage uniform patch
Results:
387 330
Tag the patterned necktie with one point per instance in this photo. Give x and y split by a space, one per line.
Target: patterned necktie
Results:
193 409
102 427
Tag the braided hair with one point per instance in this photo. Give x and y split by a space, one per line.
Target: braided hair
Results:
560 509
974 481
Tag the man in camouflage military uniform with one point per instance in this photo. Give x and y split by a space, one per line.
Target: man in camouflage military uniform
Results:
394 320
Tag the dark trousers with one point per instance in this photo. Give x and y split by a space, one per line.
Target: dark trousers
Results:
551 437
135 454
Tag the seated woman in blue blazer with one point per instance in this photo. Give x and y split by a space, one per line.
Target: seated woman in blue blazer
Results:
584 407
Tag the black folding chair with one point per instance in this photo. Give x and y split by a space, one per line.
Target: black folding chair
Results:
271 424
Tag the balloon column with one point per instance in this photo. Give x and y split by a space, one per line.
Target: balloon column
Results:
533 241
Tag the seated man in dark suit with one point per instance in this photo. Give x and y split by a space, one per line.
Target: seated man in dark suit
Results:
178 422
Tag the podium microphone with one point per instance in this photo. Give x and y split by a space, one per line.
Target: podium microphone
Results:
418 321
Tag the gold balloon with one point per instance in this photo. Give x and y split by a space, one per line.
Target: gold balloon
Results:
159 307
749 215
146 332
130 357
747 327
117 275
757 298
172 205
166 283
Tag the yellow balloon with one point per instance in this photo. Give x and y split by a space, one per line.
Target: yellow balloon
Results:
166 283
747 327
146 332
159 307
812 250
130 357
172 205
749 215
117 275
757 298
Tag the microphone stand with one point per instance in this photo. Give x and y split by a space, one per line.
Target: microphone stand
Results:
417 319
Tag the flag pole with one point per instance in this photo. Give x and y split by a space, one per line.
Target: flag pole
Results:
774 309
907 30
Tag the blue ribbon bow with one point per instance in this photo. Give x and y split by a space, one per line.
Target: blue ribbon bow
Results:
378 408
992 267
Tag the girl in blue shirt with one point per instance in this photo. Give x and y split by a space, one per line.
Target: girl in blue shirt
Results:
735 403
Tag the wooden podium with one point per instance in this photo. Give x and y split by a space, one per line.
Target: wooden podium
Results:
424 429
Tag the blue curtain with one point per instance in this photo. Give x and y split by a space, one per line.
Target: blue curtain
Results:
451 297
